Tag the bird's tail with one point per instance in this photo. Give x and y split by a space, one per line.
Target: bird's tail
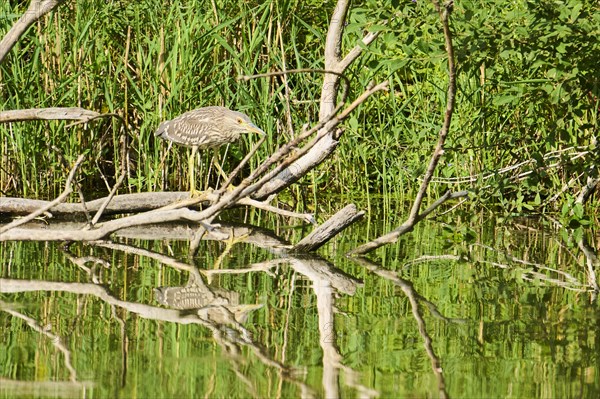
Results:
162 129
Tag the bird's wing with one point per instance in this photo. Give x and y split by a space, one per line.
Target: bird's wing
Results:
190 130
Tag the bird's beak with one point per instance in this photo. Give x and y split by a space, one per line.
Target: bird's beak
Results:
252 128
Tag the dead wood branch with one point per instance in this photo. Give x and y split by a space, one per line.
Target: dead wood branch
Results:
128 203
322 234
264 205
101 230
414 216
48 114
333 45
36 9
439 149
405 227
134 203
243 163
68 189
111 195
309 156
591 263
328 135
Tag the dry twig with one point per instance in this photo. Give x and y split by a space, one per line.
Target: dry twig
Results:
68 189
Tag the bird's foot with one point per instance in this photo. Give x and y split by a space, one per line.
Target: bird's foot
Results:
223 190
200 194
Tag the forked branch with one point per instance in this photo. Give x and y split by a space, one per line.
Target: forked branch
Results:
414 216
328 135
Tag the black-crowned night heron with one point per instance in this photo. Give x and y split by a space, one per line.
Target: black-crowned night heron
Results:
208 127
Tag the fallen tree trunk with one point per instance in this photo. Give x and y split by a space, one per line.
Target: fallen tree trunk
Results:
126 203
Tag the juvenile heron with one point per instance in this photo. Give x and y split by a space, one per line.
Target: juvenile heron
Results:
208 127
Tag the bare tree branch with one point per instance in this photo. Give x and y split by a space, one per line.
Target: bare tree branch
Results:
405 227
414 216
312 154
68 189
333 44
321 235
70 113
439 149
328 136
37 9
112 193
357 51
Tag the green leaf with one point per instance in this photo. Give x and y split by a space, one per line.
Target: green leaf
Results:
575 12
377 28
504 99
578 210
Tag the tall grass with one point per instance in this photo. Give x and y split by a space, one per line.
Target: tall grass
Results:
149 61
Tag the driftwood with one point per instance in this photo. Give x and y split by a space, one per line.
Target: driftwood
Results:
150 229
47 114
329 229
128 203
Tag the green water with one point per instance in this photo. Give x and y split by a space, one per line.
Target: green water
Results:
504 311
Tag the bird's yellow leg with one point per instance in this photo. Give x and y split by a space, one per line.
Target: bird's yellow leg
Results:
207 180
221 172
192 176
215 162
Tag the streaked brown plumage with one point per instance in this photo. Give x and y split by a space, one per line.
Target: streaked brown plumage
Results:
208 127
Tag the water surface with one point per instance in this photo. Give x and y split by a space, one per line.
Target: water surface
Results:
493 311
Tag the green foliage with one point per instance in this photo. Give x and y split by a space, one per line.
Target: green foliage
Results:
538 95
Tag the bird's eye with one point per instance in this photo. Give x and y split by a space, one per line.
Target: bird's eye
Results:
240 120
